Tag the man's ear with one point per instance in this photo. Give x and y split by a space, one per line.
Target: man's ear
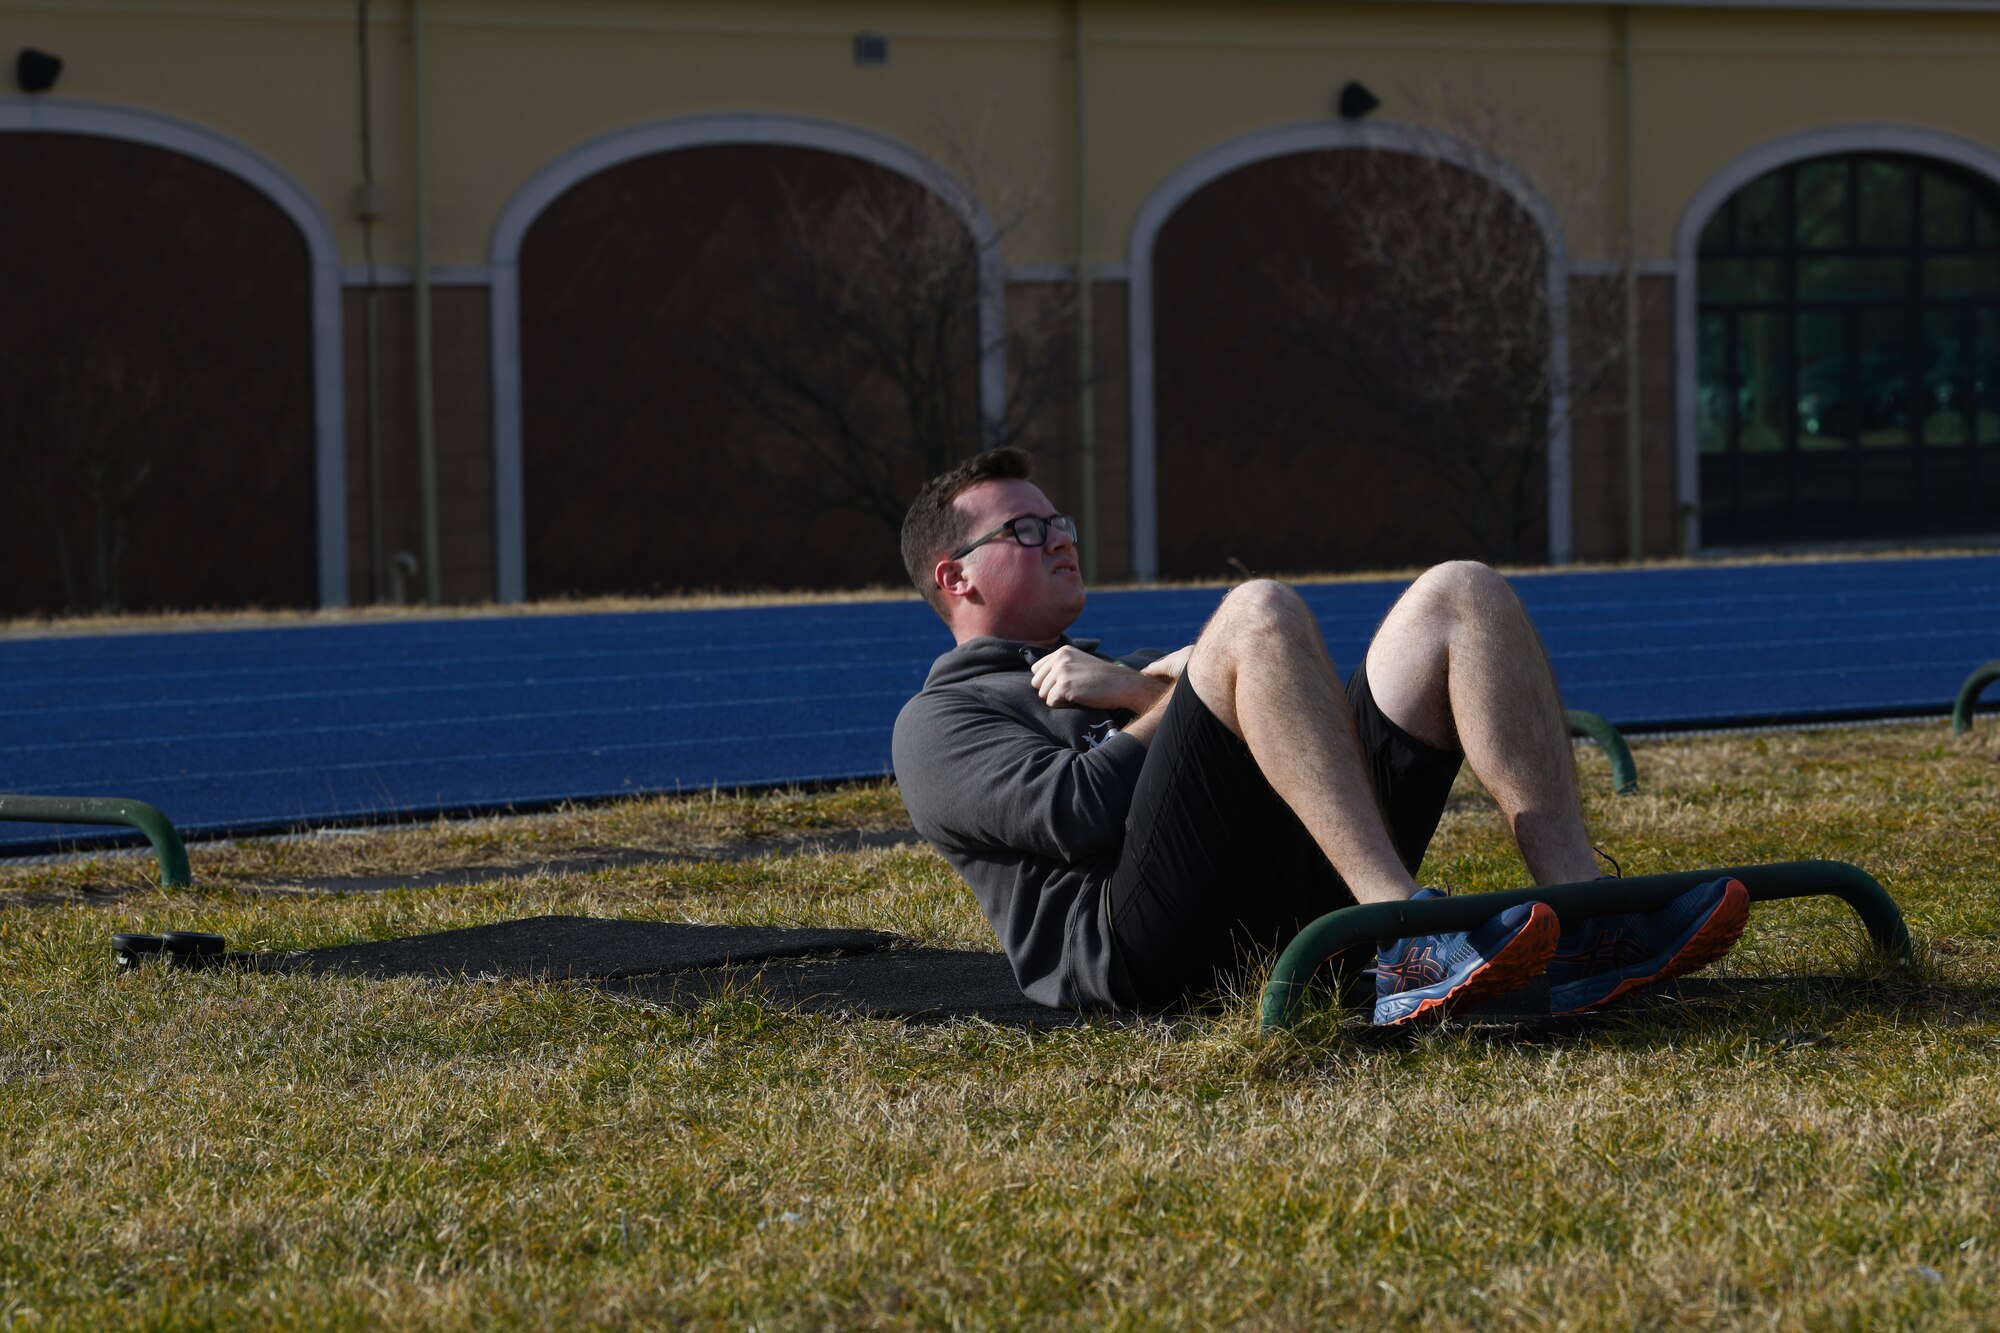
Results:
951 578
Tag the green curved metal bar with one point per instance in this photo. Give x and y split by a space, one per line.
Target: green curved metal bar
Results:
1968 694
1624 772
1349 927
159 830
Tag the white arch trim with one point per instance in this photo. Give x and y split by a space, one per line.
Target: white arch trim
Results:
663 136
60 116
1319 136
1915 140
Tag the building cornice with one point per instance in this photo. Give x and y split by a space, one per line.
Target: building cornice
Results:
1819 6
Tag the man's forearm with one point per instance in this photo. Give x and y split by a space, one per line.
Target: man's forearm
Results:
1142 727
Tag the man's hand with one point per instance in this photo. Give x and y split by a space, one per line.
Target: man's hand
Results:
1170 667
1072 678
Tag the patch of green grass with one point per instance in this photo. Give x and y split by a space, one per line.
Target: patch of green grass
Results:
1820 1149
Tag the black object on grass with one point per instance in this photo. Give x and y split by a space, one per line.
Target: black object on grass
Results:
192 943
133 949
175 948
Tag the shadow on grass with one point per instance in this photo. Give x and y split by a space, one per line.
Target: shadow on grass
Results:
1794 1011
591 862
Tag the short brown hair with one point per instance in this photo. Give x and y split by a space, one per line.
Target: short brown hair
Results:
932 527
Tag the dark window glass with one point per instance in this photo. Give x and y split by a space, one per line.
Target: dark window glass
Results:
1885 388
1885 481
1852 279
1825 381
1760 483
1720 231
1822 205
1760 210
1888 197
1947 387
1985 224
1761 363
1716 385
1957 276
1988 385
1947 210
1743 280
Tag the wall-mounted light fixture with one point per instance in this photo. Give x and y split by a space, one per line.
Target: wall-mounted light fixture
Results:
871 48
36 71
1356 101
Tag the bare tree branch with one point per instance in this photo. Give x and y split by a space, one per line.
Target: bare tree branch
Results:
83 448
863 348
1427 336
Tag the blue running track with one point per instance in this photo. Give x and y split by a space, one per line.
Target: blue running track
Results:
239 731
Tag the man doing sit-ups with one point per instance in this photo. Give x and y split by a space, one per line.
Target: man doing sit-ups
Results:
1135 834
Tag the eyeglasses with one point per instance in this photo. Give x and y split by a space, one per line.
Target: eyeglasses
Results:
1027 529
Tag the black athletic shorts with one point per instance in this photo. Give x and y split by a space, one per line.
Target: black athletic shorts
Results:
1216 869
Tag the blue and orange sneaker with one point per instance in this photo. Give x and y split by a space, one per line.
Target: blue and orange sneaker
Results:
1432 976
1612 956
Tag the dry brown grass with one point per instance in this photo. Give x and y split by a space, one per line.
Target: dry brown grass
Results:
680 827
213 1148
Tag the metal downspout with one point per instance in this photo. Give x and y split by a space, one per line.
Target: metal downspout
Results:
421 293
371 326
1086 376
371 323
1635 514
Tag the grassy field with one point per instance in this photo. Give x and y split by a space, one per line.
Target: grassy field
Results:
1814 1144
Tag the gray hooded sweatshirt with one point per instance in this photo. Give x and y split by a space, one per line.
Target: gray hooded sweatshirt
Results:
1028 802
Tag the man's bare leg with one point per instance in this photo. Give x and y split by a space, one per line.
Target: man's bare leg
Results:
1458 663
1262 668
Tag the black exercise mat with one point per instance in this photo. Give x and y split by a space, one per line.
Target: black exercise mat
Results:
556 947
672 963
682 965
922 985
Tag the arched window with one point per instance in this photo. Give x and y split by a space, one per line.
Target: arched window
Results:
1849 346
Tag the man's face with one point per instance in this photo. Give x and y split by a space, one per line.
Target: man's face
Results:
1032 593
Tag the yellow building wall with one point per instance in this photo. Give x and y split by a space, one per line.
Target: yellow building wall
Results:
1167 83
1714 85
277 78
513 84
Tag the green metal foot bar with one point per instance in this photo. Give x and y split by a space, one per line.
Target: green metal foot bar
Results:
1337 932
1624 773
159 830
1968 694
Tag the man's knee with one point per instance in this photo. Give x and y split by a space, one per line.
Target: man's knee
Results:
1462 588
1253 617
1264 607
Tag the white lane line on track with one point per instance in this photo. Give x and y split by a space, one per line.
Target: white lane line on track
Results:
276 733
489 757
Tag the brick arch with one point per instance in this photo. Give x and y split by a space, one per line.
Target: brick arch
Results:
265 191
160 402
1279 449
1318 137
642 470
815 145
